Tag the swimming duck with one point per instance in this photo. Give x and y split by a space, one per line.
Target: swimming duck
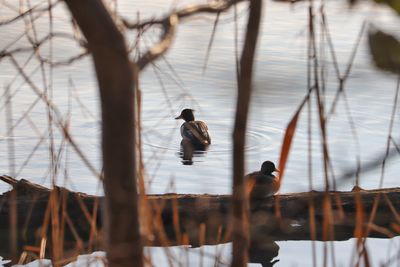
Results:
263 183
192 131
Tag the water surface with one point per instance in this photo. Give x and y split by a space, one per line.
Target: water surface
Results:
280 84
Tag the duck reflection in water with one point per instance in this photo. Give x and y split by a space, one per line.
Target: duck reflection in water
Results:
264 254
195 136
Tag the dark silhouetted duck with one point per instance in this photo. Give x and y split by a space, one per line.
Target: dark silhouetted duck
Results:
263 183
192 131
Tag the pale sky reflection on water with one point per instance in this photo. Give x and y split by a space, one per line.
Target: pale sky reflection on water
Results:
279 86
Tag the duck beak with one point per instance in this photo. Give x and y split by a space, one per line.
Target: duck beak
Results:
179 117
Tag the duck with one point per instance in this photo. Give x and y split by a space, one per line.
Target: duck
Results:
192 131
263 183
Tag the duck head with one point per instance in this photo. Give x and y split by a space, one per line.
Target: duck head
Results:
268 167
186 114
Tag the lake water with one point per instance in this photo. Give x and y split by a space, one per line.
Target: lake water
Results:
280 84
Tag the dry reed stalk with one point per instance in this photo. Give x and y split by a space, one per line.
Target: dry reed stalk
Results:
338 202
342 78
43 230
43 243
341 88
363 252
175 219
31 249
392 208
382 230
218 253
360 219
313 229
25 115
202 234
13 219
32 153
144 208
327 221
160 232
360 229
390 131
89 218
72 228
284 154
214 30
56 246
318 82
236 43
94 236
309 151
320 104
22 258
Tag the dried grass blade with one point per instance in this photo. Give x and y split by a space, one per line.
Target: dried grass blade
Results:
74 232
175 218
93 229
327 223
43 244
287 142
360 219
57 246
313 228
13 218
381 230
392 208
86 213
339 205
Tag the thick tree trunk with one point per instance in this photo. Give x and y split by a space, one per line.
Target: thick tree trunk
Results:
115 78
240 231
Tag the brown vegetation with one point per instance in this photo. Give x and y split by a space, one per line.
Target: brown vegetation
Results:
71 223
200 219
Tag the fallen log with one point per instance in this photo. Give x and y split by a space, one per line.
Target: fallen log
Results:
183 219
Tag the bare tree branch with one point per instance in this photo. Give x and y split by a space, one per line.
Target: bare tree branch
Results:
169 24
212 7
159 49
68 61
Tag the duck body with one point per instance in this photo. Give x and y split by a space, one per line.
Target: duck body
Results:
194 132
263 183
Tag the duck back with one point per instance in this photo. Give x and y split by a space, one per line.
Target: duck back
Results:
196 132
